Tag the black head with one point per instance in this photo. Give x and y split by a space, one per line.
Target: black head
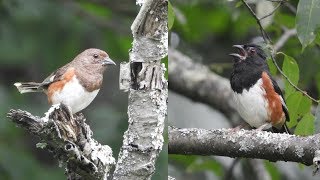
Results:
249 63
249 53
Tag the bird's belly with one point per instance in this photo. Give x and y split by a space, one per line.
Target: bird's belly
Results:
74 95
252 105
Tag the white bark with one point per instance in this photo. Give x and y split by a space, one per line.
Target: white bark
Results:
69 139
148 93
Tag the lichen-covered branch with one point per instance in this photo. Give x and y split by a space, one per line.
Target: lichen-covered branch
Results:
144 78
70 140
197 82
244 143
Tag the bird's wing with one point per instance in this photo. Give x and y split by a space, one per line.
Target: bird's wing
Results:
278 91
55 76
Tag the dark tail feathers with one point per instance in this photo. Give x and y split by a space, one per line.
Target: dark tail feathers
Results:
26 87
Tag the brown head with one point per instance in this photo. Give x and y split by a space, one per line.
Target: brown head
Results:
94 60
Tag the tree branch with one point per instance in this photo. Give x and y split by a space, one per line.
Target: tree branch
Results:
69 139
198 83
244 143
273 11
143 76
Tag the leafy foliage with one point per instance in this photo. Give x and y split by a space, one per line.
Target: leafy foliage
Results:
307 21
306 125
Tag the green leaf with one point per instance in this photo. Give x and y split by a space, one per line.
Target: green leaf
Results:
171 15
317 120
272 67
307 21
298 105
291 70
305 127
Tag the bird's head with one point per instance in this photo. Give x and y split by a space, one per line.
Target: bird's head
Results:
249 53
94 59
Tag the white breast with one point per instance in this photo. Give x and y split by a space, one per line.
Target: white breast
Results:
252 106
74 95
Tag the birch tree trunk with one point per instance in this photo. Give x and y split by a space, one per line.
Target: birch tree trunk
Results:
143 76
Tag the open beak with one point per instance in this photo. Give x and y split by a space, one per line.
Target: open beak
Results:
242 55
108 61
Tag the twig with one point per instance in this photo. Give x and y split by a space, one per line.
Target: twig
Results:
274 10
268 41
291 83
287 4
265 36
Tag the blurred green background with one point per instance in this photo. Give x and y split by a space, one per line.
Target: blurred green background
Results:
205 30
39 36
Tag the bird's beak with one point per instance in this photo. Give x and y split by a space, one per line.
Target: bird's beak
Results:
242 55
108 61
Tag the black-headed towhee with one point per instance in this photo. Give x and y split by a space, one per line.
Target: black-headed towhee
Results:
257 96
76 84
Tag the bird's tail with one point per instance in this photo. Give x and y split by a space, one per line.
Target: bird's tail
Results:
27 87
284 129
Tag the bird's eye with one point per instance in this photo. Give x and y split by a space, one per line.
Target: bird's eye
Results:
252 50
95 56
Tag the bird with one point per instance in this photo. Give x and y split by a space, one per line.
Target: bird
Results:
257 96
75 84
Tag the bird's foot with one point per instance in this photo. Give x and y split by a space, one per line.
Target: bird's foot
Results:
237 128
262 127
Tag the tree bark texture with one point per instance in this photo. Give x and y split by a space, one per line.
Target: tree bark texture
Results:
70 140
144 78
245 143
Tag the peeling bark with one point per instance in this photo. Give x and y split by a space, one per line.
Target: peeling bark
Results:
148 93
70 140
244 143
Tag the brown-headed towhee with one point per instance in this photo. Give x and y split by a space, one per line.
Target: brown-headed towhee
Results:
257 96
76 84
